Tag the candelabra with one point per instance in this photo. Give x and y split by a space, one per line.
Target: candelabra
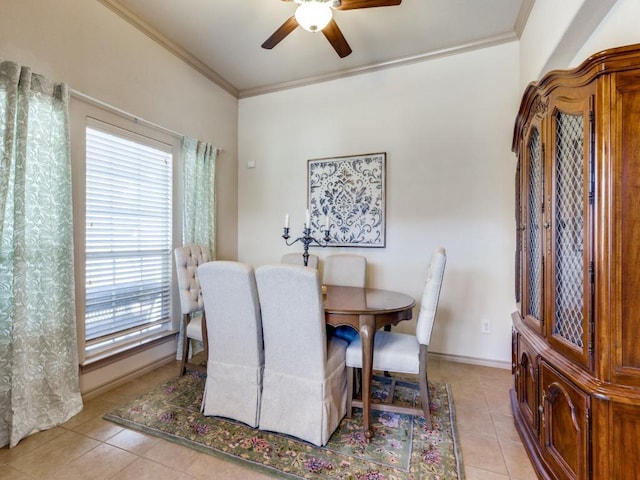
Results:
306 240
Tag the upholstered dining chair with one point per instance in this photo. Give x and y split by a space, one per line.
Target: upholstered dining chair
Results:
304 385
236 356
346 270
188 258
404 353
296 259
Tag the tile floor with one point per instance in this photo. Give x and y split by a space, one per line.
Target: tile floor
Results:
88 447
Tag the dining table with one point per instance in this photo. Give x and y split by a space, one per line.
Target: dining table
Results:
366 310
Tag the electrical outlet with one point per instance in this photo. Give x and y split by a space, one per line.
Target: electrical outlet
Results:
486 326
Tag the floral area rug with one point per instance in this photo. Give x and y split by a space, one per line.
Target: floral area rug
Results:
402 448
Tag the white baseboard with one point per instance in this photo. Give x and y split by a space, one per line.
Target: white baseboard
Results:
472 361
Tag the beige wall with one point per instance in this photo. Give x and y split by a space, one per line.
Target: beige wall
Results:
557 32
620 27
84 44
546 25
446 128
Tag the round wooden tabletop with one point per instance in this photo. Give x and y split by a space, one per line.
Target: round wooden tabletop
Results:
355 300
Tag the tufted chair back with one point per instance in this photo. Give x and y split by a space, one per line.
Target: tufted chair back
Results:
188 259
431 295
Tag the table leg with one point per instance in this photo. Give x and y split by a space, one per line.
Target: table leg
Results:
367 332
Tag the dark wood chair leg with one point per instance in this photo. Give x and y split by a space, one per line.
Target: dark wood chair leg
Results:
350 373
392 392
387 328
205 339
185 345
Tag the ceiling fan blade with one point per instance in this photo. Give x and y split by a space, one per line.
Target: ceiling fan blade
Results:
353 4
336 39
285 29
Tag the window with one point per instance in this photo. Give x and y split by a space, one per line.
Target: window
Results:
128 238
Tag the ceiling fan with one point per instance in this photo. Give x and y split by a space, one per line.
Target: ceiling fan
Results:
317 15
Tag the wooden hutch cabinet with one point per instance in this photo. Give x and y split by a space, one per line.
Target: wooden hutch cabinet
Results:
576 336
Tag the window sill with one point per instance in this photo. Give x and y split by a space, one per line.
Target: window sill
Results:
101 359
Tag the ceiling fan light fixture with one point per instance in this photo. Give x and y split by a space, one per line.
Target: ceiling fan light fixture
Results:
313 16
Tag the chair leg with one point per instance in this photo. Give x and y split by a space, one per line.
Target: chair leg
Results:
424 387
387 328
392 392
350 373
185 345
205 339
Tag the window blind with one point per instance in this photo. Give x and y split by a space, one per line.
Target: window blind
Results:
128 237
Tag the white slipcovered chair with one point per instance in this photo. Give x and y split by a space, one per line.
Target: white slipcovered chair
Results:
403 353
188 258
236 356
346 270
304 384
296 259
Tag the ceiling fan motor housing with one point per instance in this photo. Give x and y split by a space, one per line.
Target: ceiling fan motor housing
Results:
330 3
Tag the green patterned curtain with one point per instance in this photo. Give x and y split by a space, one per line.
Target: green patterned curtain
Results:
199 199
199 173
39 385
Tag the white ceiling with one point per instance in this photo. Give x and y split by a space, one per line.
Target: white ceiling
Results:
223 38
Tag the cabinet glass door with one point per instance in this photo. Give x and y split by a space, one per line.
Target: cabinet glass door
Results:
569 230
532 301
569 225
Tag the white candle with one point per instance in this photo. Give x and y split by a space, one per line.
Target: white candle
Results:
286 221
306 220
326 223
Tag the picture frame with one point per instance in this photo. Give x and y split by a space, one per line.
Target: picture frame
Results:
348 195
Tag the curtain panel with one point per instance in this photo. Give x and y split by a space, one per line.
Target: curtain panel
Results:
199 200
199 174
39 379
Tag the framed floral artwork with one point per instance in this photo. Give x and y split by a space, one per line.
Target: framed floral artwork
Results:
347 195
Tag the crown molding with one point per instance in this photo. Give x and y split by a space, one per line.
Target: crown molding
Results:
523 16
467 47
128 15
